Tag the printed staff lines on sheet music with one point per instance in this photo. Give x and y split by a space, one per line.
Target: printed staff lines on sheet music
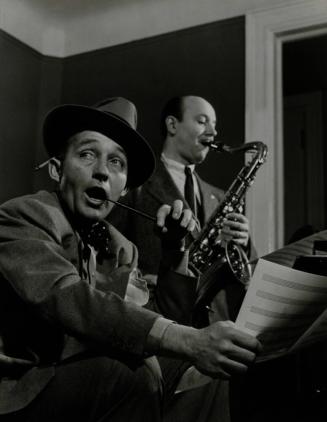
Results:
284 308
293 285
281 315
256 324
287 255
290 301
272 329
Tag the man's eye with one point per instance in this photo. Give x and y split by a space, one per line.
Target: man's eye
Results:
88 155
117 163
202 122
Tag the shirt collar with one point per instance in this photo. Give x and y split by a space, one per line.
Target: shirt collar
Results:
175 165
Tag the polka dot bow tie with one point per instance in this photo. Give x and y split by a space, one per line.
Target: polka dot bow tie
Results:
97 236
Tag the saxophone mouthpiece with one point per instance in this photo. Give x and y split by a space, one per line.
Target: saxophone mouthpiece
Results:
216 146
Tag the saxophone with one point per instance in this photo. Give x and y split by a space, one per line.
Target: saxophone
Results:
208 253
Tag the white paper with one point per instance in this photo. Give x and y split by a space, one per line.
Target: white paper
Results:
285 309
281 306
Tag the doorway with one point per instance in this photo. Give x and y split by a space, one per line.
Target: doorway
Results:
304 132
268 31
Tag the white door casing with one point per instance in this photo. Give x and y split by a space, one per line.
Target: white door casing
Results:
266 31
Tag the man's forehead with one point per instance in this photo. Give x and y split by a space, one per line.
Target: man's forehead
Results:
89 137
199 106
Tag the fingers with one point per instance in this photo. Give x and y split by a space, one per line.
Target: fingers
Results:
162 214
231 367
235 234
228 361
177 213
239 337
237 359
246 341
236 228
241 355
225 367
237 217
237 222
226 350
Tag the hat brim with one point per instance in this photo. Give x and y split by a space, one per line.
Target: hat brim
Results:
62 122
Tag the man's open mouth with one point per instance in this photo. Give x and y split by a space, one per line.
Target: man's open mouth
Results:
96 194
206 142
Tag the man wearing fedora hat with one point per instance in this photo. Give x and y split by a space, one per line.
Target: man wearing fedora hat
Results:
79 327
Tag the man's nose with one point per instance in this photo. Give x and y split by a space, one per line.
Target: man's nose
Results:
101 171
211 129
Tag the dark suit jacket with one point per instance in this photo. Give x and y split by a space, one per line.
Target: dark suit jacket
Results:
48 312
210 402
159 189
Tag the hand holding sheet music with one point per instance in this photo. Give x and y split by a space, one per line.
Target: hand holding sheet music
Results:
284 308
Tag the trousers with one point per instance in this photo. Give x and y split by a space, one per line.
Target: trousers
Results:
97 389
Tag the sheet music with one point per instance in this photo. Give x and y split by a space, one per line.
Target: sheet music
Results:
286 309
281 307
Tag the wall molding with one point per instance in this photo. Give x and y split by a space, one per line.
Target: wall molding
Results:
266 31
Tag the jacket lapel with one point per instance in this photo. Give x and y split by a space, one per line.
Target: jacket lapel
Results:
164 190
162 187
209 200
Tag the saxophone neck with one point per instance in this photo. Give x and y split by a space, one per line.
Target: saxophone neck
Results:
217 146
258 147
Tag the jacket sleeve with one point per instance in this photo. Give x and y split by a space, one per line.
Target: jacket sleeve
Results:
35 264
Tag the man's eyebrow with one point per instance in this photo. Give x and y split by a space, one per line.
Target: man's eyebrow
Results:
86 141
90 140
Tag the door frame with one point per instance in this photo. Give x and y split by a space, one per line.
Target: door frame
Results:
266 31
310 105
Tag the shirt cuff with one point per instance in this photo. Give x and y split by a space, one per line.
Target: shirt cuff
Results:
156 334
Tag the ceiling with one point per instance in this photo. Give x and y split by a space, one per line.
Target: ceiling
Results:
67 9
66 27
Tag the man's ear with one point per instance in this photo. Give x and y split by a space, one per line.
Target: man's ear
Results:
54 168
171 124
125 190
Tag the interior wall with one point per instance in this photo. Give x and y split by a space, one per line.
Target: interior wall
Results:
30 84
49 96
20 73
207 60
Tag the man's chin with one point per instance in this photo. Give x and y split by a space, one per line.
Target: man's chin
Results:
200 159
93 215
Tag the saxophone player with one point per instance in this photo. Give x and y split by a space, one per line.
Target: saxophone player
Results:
188 125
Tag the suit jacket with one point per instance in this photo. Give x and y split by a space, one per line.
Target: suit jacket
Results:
158 190
210 402
48 312
161 189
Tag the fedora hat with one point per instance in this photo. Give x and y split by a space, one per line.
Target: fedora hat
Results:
115 118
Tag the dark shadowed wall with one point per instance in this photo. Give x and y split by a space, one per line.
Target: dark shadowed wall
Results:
207 60
19 87
29 83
